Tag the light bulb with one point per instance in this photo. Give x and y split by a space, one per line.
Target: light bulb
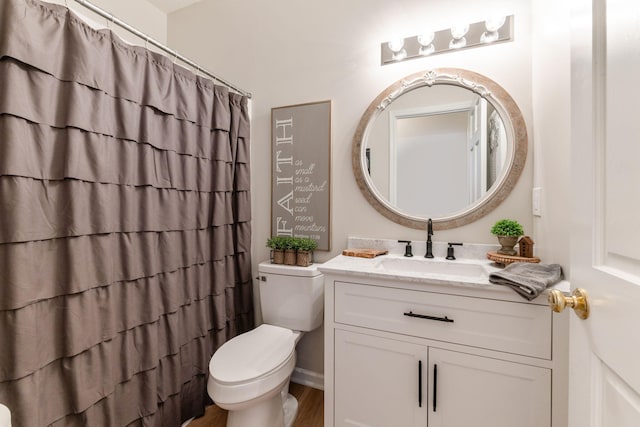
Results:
457 43
427 50
426 38
396 45
459 31
400 55
489 37
495 23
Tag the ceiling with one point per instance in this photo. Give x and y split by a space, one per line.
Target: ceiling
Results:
168 6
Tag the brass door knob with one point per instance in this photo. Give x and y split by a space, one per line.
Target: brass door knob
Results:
579 301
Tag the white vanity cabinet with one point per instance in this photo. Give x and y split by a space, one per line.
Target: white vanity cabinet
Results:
377 382
473 390
398 353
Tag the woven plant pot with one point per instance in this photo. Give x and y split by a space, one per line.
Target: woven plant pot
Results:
290 257
277 256
304 258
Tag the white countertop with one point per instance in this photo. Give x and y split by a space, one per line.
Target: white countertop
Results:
371 268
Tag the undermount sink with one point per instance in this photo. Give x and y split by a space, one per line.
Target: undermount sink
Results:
422 266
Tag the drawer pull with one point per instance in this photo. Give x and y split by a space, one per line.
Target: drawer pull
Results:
420 383
424 316
435 386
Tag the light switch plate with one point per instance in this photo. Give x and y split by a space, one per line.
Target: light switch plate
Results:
536 201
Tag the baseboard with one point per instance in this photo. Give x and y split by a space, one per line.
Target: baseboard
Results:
308 378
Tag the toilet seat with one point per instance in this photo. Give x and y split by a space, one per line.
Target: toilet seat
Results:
249 364
252 354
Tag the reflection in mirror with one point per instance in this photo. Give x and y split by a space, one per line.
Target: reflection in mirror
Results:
440 134
447 144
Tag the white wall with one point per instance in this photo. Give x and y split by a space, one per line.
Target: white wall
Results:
552 134
290 51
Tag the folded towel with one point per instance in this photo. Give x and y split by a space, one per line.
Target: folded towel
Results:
527 279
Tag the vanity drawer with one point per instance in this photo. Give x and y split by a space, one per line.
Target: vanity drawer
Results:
512 327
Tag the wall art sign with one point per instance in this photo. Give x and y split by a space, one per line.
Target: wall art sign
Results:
301 172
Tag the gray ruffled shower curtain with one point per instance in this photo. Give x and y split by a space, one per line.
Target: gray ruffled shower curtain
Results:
124 225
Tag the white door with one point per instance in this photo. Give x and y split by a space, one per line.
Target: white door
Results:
471 390
477 156
605 251
379 382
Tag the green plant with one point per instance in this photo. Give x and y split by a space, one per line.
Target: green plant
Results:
507 227
307 244
278 242
293 243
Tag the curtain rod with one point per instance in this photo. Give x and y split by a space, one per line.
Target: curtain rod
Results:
173 53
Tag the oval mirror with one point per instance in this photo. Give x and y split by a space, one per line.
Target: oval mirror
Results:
446 144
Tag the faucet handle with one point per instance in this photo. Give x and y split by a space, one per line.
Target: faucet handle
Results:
407 249
450 254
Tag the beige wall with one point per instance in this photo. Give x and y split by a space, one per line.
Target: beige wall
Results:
140 14
291 52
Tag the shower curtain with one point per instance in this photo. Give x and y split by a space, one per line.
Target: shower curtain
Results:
124 225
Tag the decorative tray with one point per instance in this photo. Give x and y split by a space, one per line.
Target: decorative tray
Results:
508 259
364 253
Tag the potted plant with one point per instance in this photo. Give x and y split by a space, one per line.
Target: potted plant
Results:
278 245
290 248
508 232
304 256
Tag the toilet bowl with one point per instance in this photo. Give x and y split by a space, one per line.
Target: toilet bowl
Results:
5 416
249 374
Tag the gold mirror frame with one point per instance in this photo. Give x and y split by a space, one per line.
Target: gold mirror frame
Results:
488 89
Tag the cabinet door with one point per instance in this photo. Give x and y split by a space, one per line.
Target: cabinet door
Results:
468 390
378 381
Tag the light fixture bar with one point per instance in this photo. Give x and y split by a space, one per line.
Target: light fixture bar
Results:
443 41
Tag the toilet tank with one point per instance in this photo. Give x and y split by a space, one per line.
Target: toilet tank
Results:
291 297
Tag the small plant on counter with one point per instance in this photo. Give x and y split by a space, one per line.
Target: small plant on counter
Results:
277 244
292 250
507 227
306 246
291 246
508 232
293 243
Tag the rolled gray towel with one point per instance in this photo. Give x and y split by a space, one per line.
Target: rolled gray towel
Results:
527 279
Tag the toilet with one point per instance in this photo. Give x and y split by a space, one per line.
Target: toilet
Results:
5 416
249 374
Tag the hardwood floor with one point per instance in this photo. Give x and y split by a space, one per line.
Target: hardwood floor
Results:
310 410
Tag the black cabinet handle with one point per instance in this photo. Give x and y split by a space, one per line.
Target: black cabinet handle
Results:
424 316
435 387
420 383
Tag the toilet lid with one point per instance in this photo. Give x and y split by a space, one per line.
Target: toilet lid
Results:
252 354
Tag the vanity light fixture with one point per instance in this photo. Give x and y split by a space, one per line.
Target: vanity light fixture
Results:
494 30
